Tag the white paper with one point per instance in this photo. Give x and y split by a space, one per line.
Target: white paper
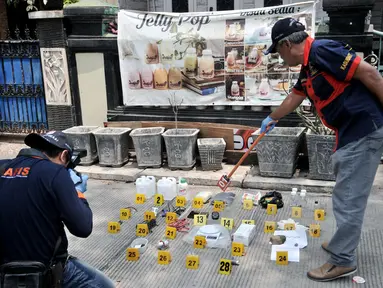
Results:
294 237
293 252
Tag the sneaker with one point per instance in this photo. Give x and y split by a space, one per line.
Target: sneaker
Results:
329 272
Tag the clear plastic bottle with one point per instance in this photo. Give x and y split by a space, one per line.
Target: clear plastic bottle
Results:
294 197
182 188
303 200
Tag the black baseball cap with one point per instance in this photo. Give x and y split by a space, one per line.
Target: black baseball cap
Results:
283 28
55 138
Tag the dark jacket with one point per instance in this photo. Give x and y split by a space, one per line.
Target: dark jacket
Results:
37 198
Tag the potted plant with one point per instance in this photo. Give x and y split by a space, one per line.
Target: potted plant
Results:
320 146
82 137
112 146
278 151
180 143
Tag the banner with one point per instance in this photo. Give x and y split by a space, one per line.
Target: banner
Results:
206 58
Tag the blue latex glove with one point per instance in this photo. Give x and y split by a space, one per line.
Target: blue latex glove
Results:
268 121
80 183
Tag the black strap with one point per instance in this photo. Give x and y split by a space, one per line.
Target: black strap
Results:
3 167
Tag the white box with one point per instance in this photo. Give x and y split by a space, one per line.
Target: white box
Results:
244 234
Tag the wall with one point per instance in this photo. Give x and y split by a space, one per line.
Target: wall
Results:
140 5
376 17
91 82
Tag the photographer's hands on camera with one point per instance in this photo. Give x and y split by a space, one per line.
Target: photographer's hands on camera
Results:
80 181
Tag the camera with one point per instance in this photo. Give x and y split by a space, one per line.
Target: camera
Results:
76 158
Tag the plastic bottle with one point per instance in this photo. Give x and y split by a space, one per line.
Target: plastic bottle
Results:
294 197
303 200
142 186
234 89
264 88
191 62
167 187
182 188
206 65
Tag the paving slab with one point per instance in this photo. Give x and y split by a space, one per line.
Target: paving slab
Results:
126 173
198 177
107 252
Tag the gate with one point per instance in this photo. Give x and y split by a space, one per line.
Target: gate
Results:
22 101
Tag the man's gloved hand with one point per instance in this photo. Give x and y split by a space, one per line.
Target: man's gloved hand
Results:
268 121
80 183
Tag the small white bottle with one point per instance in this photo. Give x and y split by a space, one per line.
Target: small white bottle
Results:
303 198
235 89
264 88
182 188
294 197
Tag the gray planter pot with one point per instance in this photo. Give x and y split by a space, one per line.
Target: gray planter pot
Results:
112 146
181 148
83 138
211 152
278 151
320 148
148 146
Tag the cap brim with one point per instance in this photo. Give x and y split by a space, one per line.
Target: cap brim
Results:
271 49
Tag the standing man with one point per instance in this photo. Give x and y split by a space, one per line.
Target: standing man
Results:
347 93
38 196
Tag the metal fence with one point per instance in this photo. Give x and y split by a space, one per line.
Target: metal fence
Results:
22 100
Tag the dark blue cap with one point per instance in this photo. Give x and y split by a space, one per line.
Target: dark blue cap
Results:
282 29
55 138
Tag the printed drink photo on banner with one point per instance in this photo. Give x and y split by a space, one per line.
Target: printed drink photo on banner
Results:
210 58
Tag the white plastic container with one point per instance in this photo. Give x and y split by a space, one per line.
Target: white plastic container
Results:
167 186
182 187
146 185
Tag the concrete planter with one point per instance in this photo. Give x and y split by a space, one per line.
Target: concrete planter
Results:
148 146
278 151
112 146
320 148
83 138
181 148
211 152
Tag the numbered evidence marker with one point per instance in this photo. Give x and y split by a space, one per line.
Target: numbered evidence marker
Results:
158 200
199 220
164 257
269 227
171 217
272 209
140 198
171 232
192 262
237 249
228 223
319 215
248 204
225 266
132 254
199 242
125 214
180 201
314 230
289 226
218 206
142 230
282 258
250 222
114 227
149 215
197 203
296 212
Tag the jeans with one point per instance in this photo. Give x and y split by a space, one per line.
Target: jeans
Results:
355 167
78 274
